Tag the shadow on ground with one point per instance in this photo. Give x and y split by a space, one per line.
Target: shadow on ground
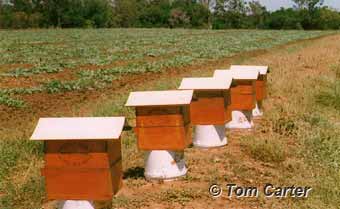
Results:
134 173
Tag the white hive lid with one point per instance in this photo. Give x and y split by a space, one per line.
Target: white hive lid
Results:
246 74
210 83
263 70
159 98
86 128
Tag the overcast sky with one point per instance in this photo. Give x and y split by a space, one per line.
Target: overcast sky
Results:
276 4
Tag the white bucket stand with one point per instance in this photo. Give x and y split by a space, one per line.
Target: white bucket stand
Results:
241 120
164 165
257 111
209 136
76 204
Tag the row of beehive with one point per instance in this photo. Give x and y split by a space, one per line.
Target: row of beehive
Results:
82 162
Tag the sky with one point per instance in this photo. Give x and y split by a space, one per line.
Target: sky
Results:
276 4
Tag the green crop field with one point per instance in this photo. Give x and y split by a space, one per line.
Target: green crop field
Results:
94 58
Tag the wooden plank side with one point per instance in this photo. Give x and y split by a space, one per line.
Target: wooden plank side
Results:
228 114
261 88
78 184
158 110
186 115
159 116
227 104
243 95
86 160
209 93
227 98
115 154
208 111
114 151
188 135
76 153
244 89
75 146
242 102
161 138
159 120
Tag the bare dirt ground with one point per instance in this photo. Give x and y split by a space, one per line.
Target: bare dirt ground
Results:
294 67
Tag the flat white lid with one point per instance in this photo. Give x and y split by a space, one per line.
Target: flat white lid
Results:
263 70
209 83
159 98
86 128
246 74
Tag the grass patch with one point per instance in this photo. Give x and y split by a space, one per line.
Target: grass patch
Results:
330 97
28 195
24 189
127 202
285 126
266 149
322 153
321 144
11 151
180 196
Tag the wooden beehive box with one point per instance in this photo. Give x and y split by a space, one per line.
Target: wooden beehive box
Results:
83 158
261 82
243 89
212 100
162 119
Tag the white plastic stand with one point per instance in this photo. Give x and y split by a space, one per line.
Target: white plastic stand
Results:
241 120
209 136
164 165
257 111
76 204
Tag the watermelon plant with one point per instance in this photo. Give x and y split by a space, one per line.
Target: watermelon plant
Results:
92 59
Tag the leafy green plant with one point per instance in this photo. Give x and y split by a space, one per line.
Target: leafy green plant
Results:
6 100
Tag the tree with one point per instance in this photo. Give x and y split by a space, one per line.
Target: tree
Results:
230 14
207 3
155 14
53 11
200 16
257 12
126 13
328 19
178 18
236 6
284 19
256 8
308 4
97 13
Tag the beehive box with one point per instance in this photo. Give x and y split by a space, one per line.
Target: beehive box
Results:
212 100
261 82
243 88
82 157
162 119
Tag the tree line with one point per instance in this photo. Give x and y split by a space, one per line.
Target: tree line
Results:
215 14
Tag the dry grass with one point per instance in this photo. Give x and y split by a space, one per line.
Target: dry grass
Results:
266 149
